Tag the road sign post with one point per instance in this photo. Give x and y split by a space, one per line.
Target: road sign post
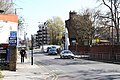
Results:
13 50
31 49
13 58
13 33
13 41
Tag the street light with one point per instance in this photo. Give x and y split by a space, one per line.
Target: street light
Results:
16 10
18 27
32 49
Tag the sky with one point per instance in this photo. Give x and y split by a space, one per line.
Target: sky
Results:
35 11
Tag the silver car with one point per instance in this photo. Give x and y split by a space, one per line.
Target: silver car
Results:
67 54
52 52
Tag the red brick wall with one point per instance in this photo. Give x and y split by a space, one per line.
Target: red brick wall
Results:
102 52
80 49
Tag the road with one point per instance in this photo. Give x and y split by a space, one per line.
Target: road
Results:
76 69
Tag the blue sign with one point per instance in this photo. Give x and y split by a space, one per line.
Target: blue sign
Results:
12 41
13 33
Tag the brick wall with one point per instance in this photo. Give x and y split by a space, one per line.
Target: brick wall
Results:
99 52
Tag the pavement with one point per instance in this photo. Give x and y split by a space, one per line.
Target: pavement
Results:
26 71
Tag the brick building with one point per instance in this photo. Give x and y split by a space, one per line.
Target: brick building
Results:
78 27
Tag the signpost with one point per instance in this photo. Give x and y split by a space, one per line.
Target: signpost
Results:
13 33
13 41
13 50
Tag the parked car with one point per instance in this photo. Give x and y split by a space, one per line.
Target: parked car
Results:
48 48
52 51
67 54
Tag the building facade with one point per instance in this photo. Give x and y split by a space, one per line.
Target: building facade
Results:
42 36
79 28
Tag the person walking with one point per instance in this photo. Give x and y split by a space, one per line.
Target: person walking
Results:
23 54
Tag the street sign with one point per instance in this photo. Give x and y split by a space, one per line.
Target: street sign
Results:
13 33
12 41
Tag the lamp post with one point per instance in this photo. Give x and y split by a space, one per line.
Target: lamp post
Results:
16 10
18 30
32 49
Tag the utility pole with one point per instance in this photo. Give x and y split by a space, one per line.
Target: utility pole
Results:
32 49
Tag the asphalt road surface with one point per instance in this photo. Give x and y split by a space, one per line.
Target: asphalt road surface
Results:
76 69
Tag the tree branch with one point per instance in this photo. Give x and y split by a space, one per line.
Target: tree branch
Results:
109 8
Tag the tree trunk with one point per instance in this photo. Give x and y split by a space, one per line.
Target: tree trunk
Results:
117 34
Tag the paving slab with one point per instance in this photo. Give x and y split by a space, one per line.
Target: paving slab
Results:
26 71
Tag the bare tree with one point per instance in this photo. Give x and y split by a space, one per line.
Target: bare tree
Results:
89 25
81 27
113 6
100 25
6 5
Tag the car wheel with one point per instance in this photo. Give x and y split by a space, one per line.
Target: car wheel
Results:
61 57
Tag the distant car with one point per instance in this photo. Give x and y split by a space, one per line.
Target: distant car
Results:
52 52
67 54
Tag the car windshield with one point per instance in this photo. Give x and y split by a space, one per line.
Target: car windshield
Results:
52 49
49 47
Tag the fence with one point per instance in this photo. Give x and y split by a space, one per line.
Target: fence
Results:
99 52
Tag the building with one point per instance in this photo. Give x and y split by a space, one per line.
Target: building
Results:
79 28
42 37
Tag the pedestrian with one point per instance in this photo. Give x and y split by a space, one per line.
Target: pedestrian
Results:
23 54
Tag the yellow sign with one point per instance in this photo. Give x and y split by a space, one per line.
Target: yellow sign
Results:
97 40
